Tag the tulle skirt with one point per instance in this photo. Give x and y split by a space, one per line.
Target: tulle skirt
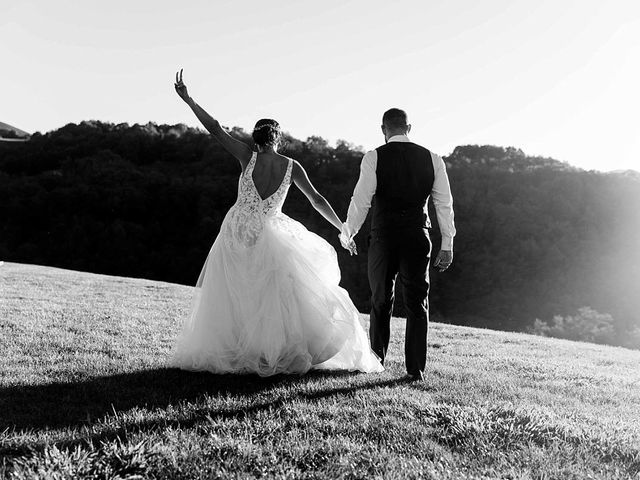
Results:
273 307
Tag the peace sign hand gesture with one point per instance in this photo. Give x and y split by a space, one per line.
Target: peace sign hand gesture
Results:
181 88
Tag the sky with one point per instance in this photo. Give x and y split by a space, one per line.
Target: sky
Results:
555 78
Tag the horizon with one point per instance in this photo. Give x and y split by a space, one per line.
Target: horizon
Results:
333 144
556 81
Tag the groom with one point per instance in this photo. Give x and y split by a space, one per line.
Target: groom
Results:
398 178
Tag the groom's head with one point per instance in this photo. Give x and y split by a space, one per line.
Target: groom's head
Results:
394 122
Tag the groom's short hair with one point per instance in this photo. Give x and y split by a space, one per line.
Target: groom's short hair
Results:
395 118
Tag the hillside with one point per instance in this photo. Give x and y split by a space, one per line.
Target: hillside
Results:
537 239
84 391
8 132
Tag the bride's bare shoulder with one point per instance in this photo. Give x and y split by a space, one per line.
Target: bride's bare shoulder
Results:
298 173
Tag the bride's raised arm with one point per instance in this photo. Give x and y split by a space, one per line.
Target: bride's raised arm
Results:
238 149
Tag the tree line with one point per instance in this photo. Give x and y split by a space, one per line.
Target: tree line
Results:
537 239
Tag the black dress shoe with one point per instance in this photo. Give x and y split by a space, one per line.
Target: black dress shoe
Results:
416 377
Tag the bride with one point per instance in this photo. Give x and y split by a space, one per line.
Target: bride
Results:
268 300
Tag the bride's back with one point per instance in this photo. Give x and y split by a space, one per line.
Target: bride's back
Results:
268 172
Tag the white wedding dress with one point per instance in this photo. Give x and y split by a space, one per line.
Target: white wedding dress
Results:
268 300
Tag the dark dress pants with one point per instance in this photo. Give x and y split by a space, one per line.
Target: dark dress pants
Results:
405 253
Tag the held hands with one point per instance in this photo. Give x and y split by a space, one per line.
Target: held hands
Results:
443 260
348 244
347 241
181 88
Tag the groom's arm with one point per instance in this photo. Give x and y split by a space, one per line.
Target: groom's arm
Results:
443 202
362 195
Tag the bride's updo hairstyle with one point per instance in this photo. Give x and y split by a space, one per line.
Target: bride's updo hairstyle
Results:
266 132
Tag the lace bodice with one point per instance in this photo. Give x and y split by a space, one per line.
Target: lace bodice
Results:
245 221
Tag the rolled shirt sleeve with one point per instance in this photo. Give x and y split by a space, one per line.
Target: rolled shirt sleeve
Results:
362 195
443 202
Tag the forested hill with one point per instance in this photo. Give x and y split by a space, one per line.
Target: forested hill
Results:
9 133
536 237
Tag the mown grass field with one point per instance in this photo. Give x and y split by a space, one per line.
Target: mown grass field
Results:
85 393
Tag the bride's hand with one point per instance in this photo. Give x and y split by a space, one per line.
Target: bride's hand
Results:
181 88
348 244
352 248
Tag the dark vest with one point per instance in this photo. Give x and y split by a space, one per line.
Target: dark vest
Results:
404 181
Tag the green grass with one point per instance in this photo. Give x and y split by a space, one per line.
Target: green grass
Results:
85 393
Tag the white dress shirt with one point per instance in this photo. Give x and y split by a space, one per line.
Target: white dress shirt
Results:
366 189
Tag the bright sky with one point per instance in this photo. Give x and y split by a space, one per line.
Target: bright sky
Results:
558 78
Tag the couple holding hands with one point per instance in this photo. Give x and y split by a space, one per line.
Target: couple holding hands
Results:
268 299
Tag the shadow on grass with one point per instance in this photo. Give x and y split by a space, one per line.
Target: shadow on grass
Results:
82 403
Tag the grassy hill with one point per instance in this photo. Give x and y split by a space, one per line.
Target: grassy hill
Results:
85 392
13 133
